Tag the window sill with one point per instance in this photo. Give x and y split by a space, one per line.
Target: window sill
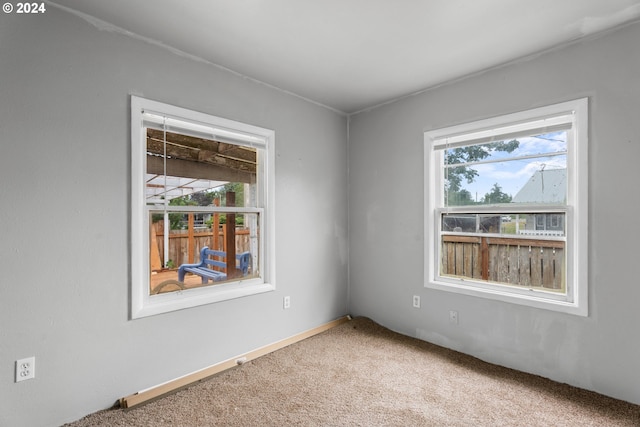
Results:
535 299
149 305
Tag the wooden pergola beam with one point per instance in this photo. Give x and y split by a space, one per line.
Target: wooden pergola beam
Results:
192 148
197 170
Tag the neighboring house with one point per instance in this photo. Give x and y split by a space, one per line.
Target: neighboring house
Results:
545 186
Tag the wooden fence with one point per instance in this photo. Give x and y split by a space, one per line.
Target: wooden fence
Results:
185 245
524 262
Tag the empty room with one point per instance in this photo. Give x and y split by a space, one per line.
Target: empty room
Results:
319 212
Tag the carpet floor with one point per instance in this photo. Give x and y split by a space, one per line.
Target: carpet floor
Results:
362 374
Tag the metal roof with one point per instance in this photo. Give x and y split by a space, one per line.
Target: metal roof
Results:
545 186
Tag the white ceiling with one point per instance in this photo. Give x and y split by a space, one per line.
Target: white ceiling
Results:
353 54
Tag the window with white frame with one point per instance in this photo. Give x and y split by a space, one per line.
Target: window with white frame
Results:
202 218
506 208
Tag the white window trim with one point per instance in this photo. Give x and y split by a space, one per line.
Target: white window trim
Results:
142 303
576 301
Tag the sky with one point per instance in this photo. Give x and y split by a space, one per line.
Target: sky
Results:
513 174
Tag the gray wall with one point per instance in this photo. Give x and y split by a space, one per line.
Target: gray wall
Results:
600 352
64 251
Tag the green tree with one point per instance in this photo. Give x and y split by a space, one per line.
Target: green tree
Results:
496 195
221 193
455 175
203 198
175 219
460 198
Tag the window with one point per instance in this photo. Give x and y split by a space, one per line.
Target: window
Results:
202 218
506 208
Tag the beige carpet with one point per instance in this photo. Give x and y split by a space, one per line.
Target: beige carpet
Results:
361 374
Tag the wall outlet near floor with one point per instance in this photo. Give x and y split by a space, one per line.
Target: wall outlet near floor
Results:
286 302
453 317
416 301
25 369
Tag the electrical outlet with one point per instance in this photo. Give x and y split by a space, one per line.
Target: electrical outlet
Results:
286 302
416 301
25 369
453 317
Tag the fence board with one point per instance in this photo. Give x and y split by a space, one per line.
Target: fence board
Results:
505 260
477 261
536 266
513 275
467 253
451 258
493 262
459 254
558 279
546 256
503 264
524 261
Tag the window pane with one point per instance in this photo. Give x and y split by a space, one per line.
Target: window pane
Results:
519 262
184 170
198 181
526 170
499 194
179 238
181 167
550 224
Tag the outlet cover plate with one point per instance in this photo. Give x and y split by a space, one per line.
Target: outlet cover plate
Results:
453 317
25 369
